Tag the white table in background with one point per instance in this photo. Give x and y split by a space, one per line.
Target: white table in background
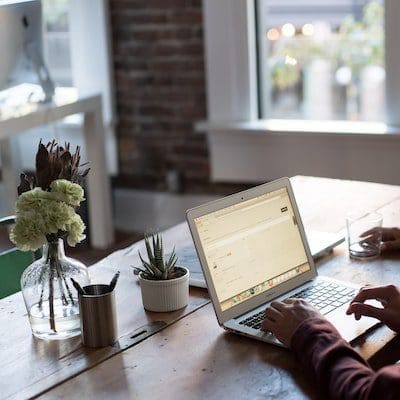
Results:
66 102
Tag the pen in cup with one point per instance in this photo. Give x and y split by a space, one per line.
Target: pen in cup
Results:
114 281
77 286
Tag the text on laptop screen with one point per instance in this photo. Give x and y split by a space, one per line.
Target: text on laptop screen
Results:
252 246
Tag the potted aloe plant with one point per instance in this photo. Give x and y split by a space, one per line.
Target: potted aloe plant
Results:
164 285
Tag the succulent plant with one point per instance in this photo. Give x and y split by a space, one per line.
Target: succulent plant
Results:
157 268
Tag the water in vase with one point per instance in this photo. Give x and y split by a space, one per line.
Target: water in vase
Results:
66 320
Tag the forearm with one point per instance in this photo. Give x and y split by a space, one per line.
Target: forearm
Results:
341 373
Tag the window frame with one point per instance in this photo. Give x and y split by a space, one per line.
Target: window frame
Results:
244 148
231 61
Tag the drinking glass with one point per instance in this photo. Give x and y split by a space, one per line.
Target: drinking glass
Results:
364 234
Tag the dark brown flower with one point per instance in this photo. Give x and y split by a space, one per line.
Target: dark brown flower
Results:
54 162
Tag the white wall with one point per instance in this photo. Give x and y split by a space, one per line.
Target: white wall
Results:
144 211
252 157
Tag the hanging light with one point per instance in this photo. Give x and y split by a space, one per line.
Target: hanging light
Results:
273 34
288 30
307 30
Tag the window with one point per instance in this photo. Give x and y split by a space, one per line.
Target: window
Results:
321 60
57 41
247 145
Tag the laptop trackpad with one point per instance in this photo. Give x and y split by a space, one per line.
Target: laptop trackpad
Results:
347 325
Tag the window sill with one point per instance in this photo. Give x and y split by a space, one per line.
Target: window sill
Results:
282 126
263 150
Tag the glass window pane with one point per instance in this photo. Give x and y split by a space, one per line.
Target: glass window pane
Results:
56 40
322 60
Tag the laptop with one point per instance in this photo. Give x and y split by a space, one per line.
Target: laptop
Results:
253 249
321 243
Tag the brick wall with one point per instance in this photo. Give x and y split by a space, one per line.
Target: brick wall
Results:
160 94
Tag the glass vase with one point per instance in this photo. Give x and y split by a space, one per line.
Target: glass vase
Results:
50 298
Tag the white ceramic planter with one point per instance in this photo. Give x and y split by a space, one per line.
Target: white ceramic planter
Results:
165 295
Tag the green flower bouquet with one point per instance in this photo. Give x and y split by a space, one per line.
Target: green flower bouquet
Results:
45 215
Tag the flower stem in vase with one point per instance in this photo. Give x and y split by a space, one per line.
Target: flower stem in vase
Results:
51 300
53 260
61 278
60 284
42 290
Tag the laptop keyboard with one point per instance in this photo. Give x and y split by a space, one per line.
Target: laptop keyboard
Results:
324 296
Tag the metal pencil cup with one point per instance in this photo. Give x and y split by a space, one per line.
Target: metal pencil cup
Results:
97 314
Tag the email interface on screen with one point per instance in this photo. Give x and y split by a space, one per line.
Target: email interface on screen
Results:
252 246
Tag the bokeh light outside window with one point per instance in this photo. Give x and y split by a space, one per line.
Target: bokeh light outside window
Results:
322 60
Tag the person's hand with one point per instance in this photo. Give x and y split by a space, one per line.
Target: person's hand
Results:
388 296
390 237
283 318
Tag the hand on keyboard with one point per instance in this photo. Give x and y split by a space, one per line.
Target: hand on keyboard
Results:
326 297
283 318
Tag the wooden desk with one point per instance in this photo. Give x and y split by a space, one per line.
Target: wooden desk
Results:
192 357
66 102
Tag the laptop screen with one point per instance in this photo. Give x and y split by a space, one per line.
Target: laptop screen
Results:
252 246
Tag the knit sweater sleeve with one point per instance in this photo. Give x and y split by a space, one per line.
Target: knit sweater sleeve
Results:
340 371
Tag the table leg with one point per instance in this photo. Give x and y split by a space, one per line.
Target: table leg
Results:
100 213
9 176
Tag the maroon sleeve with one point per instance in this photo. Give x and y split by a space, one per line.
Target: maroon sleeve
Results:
340 371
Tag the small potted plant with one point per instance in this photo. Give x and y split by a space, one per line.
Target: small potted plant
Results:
164 285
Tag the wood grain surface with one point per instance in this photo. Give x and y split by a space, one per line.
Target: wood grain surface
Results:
196 359
30 366
193 357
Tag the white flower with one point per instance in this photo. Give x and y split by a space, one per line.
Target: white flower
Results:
28 233
40 213
69 192
75 230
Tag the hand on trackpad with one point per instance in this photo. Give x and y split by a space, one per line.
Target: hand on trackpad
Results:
376 304
380 302
369 308
349 327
